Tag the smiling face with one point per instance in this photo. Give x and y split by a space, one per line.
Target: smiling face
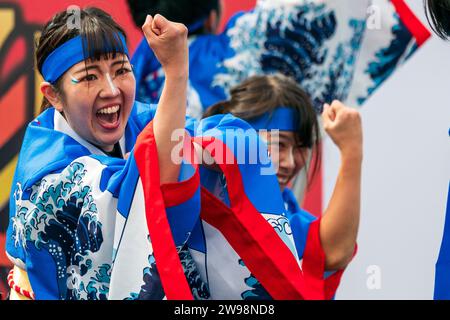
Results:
286 155
97 99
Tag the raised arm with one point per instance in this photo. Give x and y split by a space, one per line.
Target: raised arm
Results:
339 226
168 40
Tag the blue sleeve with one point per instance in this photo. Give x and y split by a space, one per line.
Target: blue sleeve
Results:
300 223
56 224
299 219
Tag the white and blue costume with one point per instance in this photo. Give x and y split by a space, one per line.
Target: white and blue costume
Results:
89 221
335 49
85 225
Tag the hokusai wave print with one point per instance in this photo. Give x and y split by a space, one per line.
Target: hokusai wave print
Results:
51 221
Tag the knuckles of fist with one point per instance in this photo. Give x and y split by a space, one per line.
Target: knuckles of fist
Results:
343 124
168 41
161 26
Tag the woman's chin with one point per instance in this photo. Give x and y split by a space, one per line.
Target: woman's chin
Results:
107 143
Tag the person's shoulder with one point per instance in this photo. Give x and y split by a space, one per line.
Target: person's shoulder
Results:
44 120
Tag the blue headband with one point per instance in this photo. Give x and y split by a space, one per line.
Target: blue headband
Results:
282 118
67 55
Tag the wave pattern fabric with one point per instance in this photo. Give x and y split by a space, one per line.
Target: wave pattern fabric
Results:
334 49
85 225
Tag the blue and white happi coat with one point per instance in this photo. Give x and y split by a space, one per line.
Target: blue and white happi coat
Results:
334 49
85 225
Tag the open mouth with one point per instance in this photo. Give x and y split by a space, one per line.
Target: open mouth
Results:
109 117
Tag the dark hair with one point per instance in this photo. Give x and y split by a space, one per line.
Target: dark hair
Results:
438 15
98 29
259 95
187 12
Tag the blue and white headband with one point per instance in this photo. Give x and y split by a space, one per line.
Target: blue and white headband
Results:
282 118
67 55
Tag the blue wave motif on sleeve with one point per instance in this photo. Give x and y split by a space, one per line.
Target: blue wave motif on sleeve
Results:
152 288
292 51
340 73
199 288
257 291
61 219
301 42
388 59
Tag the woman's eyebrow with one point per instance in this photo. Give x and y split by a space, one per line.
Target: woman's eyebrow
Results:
121 62
119 59
85 69
96 67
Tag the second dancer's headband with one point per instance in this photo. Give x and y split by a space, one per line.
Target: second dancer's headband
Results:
282 118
